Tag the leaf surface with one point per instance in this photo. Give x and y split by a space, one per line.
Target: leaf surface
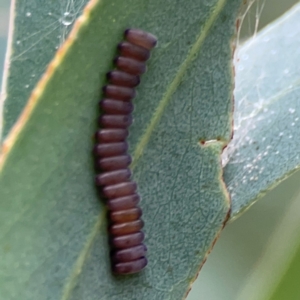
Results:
265 147
39 28
53 226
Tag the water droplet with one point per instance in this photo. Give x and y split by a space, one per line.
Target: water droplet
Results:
296 119
277 152
67 19
293 124
263 139
18 42
281 133
290 136
245 57
286 71
292 110
28 14
50 13
27 86
265 110
240 68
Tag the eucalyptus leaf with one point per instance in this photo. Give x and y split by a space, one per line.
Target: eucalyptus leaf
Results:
265 146
53 226
38 31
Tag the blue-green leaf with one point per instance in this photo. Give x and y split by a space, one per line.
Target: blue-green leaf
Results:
52 224
265 147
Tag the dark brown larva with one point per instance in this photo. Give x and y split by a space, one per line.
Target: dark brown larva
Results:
128 250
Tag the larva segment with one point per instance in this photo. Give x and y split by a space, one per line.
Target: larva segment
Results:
115 121
111 135
114 163
140 38
119 92
116 107
128 215
119 190
132 51
129 254
130 65
110 149
128 240
123 202
130 267
126 228
113 177
120 78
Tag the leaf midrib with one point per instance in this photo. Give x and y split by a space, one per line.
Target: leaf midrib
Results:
141 145
269 102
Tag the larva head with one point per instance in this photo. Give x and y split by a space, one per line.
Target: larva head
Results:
140 38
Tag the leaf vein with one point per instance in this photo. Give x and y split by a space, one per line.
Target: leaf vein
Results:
174 84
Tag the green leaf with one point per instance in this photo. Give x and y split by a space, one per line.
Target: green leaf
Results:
38 31
288 287
273 273
53 226
265 147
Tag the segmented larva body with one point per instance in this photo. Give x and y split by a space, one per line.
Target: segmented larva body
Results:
128 251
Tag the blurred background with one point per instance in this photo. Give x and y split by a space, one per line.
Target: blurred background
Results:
241 259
